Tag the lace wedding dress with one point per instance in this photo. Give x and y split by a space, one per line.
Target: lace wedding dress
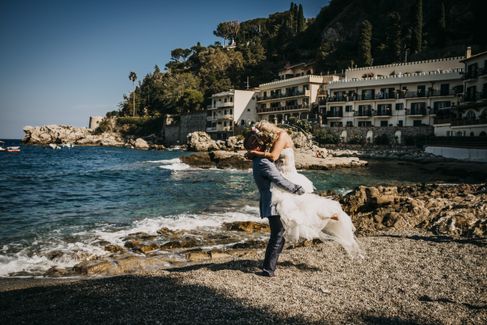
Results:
309 215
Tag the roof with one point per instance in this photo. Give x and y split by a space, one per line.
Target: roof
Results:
474 56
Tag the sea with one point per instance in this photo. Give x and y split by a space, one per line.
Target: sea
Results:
72 199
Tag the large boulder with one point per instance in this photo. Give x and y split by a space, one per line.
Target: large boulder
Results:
200 141
301 140
141 144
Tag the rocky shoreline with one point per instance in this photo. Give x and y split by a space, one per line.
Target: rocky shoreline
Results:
451 211
425 263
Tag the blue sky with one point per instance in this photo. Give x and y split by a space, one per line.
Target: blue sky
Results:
62 61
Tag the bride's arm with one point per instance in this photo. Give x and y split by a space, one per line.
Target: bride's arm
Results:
275 150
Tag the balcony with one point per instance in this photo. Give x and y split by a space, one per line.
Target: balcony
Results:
211 129
416 111
285 95
282 108
462 122
334 114
363 113
383 112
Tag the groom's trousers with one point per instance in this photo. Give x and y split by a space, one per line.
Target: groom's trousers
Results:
275 244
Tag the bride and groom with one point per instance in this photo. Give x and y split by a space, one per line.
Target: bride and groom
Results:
287 198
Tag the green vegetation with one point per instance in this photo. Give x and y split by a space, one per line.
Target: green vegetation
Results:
139 126
344 33
324 136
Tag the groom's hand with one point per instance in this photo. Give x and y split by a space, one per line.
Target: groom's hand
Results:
300 191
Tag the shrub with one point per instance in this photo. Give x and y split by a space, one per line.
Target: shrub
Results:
324 136
140 126
382 139
356 140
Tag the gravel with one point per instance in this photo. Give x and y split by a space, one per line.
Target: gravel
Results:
405 279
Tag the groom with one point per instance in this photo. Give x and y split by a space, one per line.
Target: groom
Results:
265 173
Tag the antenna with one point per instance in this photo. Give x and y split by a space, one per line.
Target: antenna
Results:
248 82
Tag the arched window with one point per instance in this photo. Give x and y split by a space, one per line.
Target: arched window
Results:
482 134
470 115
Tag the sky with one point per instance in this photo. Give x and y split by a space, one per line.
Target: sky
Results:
62 61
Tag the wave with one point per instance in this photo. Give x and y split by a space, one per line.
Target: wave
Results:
54 250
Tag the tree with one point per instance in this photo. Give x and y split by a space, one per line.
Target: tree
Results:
133 77
191 100
227 30
300 18
417 36
393 36
366 43
442 32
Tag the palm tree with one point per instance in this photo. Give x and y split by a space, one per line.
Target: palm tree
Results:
133 77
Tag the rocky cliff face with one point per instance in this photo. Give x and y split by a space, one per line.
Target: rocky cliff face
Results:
59 134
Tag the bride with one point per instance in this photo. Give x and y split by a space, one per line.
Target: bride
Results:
306 216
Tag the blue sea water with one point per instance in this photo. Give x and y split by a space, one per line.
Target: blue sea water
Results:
71 199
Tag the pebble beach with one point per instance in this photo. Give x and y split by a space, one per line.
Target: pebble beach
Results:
406 278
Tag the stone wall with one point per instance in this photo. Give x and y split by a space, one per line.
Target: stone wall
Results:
176 128
395 134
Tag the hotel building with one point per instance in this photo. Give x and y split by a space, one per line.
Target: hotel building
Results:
229 110
292 96
399 95
469 118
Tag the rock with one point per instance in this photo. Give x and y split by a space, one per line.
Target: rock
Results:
455 210
66 134
249 244
198 256
200 141
235 143
301 140
225 159
114 248
141 144
247 226
58 272
54 254
199 159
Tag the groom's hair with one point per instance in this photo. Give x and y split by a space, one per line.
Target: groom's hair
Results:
252 141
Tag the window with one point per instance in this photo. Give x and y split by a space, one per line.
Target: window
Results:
230 99
444 89
383 123
348 108
470 115
399 106
400 123
421 91
364 123
230 111
242 122
349 123
417 123
248 109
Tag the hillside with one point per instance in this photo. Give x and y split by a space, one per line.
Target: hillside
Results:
345 33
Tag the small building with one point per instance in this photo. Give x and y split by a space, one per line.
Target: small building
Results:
469 118
291 97
95 122
230 111
394 95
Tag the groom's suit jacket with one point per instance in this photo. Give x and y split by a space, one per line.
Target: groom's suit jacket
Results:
265 173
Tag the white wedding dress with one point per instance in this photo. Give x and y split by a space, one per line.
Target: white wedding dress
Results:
309 216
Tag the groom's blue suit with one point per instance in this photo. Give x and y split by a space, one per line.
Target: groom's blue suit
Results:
266 173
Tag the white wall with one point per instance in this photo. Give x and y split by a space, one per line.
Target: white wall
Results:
459 153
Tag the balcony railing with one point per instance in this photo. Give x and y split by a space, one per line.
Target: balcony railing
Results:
383 112
416 111
280 95
281 108
363 113
392 95
334 114
468 122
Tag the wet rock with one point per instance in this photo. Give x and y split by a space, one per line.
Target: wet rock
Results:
247 226
249 244
54 254
114 248
184 242
225 159
199 159
59 272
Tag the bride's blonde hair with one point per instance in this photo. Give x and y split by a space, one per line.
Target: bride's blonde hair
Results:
269 132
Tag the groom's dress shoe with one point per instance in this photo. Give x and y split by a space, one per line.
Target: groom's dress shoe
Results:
267 274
